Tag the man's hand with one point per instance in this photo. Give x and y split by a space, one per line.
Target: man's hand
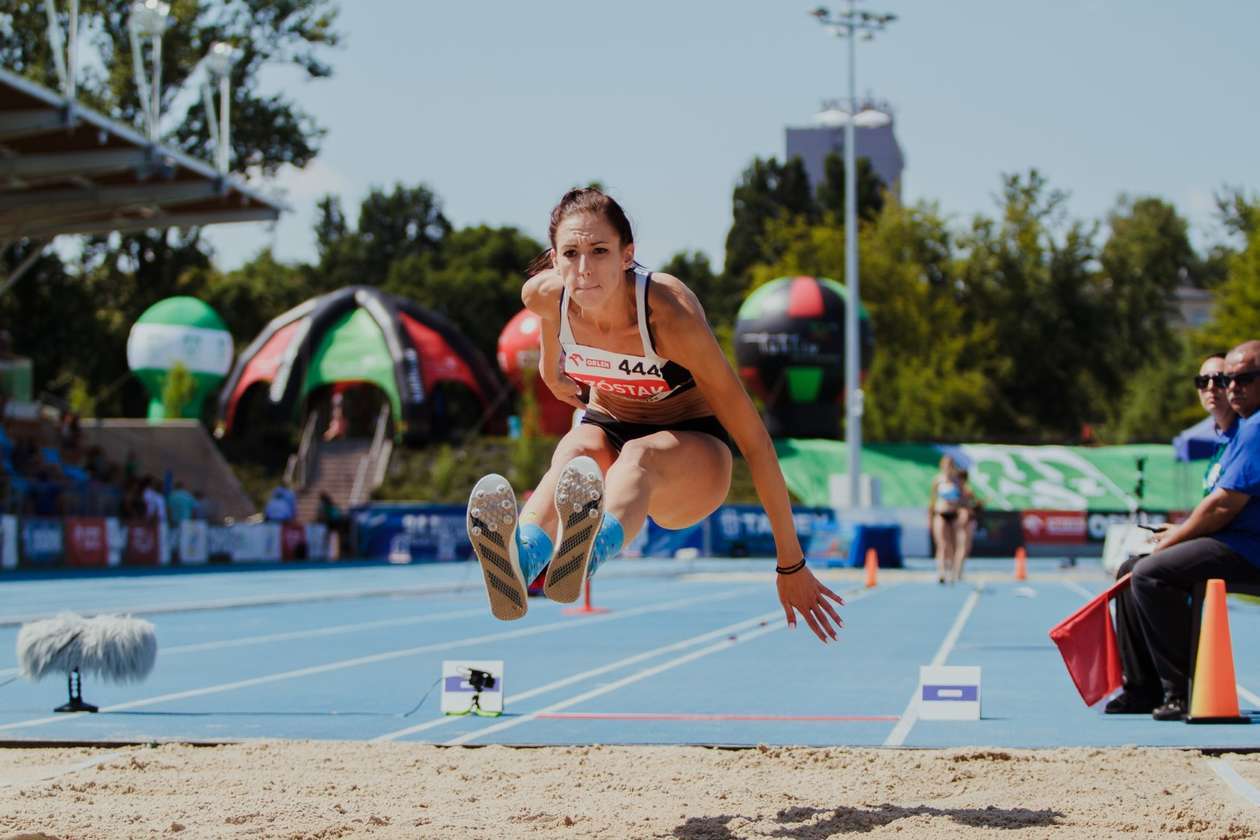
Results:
801 592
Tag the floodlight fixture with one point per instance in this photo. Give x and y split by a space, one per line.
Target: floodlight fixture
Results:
218 64
850 23
147 20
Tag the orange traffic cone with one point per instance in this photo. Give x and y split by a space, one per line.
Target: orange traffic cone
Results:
872 567
1021 564
1214 693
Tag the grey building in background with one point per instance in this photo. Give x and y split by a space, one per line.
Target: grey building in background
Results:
875 141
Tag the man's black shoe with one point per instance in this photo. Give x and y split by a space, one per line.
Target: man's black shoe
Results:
1131 703
1174 708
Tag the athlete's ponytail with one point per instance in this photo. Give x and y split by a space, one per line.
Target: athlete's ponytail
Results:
583 200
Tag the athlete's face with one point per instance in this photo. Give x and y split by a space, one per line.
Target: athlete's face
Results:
591 259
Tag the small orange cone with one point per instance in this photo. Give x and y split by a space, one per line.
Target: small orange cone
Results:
1021 564
872 567
1214 693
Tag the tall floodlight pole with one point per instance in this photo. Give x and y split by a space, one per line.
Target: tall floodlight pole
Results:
148 20
847 24
218 66
65 59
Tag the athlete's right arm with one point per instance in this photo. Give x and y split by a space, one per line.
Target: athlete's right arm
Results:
541 295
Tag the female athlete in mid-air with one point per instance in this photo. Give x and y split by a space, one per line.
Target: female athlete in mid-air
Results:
634 349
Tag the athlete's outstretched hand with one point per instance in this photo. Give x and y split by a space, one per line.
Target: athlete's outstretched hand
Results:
801 592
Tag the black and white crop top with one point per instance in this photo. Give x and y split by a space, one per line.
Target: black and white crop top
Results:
649 378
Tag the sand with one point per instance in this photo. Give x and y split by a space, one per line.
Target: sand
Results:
324 789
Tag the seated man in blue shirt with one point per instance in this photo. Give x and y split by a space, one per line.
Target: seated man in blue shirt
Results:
1220 539
1142 689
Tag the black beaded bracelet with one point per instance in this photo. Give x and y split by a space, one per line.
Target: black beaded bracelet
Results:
790 570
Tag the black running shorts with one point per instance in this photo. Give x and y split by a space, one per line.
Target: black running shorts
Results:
618 432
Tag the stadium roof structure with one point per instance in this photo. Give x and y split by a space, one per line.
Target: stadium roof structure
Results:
66 169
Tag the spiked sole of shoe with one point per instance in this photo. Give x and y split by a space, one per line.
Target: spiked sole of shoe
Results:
492 532
580 507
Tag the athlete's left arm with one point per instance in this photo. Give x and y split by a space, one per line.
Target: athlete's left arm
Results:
683 336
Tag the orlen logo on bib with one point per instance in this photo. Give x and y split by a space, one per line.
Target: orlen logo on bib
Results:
578 360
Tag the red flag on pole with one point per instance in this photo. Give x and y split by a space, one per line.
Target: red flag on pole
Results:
1087 642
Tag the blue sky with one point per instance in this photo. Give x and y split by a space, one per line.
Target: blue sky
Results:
501 106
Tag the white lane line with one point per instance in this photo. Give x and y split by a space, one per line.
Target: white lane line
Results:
57 772
564 624
594 672
1221 767
334 630
911 714
256 601
1249 696
725 644
1077 588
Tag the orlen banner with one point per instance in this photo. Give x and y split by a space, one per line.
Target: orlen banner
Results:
1054 527
86 541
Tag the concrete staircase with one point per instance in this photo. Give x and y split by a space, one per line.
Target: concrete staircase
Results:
183 447
334 467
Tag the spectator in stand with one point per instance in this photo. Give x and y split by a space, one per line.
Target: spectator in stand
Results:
1142 691
181 504
154 502
282 506
45 496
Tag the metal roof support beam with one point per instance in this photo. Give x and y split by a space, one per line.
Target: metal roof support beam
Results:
17 124
75 163
24 266
157 221
107 197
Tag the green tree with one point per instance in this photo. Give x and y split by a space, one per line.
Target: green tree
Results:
1029 277
474 279
1236 303
870 189
177 391
767 190
720 294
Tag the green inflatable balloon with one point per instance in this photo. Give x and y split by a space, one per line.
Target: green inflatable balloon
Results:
179 330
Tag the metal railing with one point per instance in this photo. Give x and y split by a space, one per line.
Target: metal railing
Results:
369 464
297 471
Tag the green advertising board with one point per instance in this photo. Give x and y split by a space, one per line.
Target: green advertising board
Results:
1099 478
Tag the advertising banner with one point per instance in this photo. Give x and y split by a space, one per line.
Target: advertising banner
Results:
8 542
1053 527
255 542
744 530
411 533
143 544
317 541
86 541
41 542
192 542
293 541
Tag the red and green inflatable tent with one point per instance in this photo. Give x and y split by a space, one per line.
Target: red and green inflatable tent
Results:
361 334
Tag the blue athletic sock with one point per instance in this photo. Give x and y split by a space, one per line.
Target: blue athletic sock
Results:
607 542
533 547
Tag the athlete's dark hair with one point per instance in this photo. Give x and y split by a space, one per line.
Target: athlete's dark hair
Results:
583 200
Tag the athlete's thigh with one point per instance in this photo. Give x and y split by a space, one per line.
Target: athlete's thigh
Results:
691 475
585 439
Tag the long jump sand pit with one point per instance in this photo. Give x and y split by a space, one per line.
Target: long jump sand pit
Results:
298 789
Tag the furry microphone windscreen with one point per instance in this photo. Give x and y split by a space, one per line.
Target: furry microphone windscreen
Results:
116 648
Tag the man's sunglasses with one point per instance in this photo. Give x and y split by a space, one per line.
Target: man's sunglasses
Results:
1216 380
1242 379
